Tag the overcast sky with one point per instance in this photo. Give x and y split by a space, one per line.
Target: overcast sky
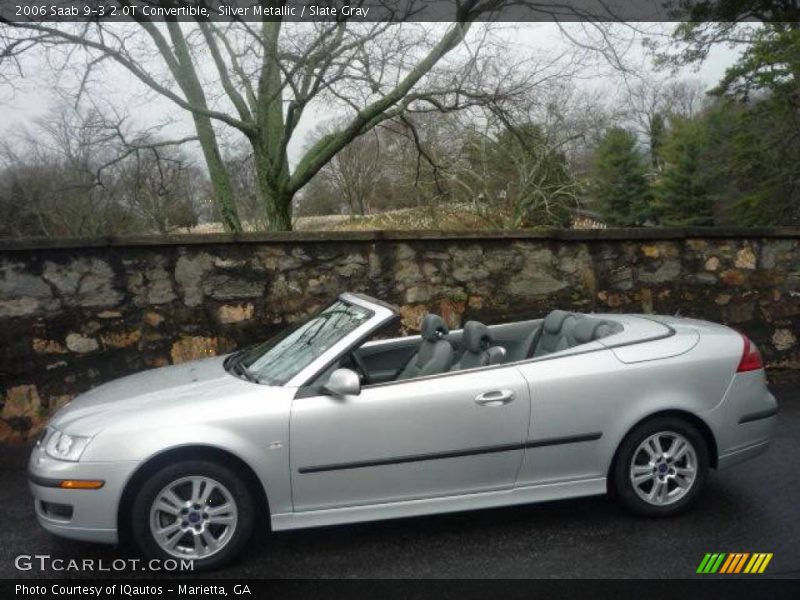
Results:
18 109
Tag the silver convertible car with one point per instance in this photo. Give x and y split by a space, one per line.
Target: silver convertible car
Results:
336 421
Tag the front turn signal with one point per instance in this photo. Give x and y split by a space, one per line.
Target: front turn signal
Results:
81 484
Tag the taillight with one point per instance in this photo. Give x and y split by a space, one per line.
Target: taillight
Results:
751 357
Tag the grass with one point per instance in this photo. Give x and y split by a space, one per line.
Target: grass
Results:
441 217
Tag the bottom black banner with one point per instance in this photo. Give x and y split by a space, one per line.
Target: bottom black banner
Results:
383 589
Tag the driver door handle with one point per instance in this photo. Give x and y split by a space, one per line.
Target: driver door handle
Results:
495 398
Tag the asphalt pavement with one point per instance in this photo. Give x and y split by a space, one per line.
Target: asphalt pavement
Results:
753 507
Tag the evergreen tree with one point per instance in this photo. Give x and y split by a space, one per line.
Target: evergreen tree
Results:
619 179
658 129
755 161
756 166
681 194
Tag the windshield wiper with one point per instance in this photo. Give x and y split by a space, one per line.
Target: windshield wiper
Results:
237 366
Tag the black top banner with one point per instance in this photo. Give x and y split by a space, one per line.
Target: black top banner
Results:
394 10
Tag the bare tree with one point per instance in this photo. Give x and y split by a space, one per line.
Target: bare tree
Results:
48 177
354 173
652 103
78 174
161 188
266 75
514 176
398 165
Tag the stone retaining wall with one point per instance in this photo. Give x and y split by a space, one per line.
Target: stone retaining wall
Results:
75 313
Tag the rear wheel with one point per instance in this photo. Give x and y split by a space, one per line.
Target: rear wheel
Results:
660 467
198 510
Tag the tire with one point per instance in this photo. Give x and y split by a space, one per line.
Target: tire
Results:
210 531
638 456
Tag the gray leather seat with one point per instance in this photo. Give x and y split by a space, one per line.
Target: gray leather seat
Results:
556 333
434 355
477 349
586 330
497 354
528 345
561 330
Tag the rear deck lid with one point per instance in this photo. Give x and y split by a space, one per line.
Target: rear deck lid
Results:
649 338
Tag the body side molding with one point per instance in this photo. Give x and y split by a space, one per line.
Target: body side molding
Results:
757 416
396 460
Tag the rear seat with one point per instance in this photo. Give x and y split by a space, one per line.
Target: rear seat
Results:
561 330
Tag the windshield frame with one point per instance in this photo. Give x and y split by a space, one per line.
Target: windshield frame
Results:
379 313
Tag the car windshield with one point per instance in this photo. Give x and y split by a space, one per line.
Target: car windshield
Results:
278 360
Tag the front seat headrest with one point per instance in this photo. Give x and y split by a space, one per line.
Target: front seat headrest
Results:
554 321
433 327
476 337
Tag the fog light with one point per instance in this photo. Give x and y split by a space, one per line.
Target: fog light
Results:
62 512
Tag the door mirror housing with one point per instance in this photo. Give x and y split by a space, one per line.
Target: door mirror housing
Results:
343 382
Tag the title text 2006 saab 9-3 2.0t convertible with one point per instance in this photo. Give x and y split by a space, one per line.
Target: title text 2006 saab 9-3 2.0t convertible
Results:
331 422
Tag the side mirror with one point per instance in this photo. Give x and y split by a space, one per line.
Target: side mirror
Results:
343 382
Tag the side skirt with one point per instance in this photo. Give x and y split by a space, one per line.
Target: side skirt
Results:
442 504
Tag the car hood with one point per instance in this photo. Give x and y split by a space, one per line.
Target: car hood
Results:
190 382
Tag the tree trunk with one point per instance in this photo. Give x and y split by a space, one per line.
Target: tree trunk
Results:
182 68
220 178
278 208
269 150
361 204
273 190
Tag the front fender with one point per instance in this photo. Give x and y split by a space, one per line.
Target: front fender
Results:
255 432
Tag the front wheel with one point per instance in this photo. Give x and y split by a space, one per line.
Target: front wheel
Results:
660 467
196 510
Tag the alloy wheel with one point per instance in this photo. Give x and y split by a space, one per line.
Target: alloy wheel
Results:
193 517
664 468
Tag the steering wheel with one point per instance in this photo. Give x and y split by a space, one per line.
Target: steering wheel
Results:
361 367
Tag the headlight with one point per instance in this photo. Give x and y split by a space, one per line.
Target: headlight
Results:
62 446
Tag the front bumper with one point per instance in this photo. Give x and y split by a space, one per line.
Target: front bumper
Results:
88 515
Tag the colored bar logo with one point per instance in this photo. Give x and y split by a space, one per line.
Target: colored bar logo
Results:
734 563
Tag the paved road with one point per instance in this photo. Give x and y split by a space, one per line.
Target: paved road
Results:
752 508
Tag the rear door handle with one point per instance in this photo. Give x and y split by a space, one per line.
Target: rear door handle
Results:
495 398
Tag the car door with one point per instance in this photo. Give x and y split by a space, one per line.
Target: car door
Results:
576 397
456 433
